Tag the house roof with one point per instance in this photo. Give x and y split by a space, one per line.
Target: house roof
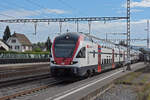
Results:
3 45
4 42
22 39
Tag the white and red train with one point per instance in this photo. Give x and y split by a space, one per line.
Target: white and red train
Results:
76 54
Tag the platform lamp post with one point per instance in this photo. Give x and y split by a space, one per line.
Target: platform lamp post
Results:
60 27
147 33
128 35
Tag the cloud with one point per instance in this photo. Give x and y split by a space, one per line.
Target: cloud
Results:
132 11
22 13
56 11
141 4
136 10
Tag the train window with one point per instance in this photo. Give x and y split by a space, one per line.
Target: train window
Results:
81 53
104 61
93 53
107 60
115 54
120 55
61 46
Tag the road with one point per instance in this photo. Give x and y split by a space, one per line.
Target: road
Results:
79 89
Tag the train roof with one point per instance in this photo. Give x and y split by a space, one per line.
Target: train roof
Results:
107 44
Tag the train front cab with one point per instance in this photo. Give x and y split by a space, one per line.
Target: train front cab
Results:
67 55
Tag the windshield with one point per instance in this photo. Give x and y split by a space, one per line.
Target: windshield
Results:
64 48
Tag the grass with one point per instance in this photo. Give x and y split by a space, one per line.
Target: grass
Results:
144 92
128 78
148 98
140 81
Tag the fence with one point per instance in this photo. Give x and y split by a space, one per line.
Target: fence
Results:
12 58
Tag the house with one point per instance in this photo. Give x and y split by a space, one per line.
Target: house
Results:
19 43
3 46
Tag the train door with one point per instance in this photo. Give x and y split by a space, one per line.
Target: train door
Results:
99 58
124 56
88 58
113 60
119 54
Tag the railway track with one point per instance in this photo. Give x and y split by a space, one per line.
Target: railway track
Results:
20 80
16 88
22 71
22 74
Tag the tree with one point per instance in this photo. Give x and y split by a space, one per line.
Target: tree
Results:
7 34
48 44
37 49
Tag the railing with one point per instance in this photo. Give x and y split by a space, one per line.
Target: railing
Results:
12 58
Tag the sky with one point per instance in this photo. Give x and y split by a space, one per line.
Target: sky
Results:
12 9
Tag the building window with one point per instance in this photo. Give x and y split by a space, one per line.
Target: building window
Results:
24 47
10 47
16 47
27 48
13 41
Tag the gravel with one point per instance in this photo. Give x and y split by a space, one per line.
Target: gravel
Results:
119 92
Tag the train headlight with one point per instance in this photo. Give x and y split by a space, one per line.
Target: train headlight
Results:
54 62
71 63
